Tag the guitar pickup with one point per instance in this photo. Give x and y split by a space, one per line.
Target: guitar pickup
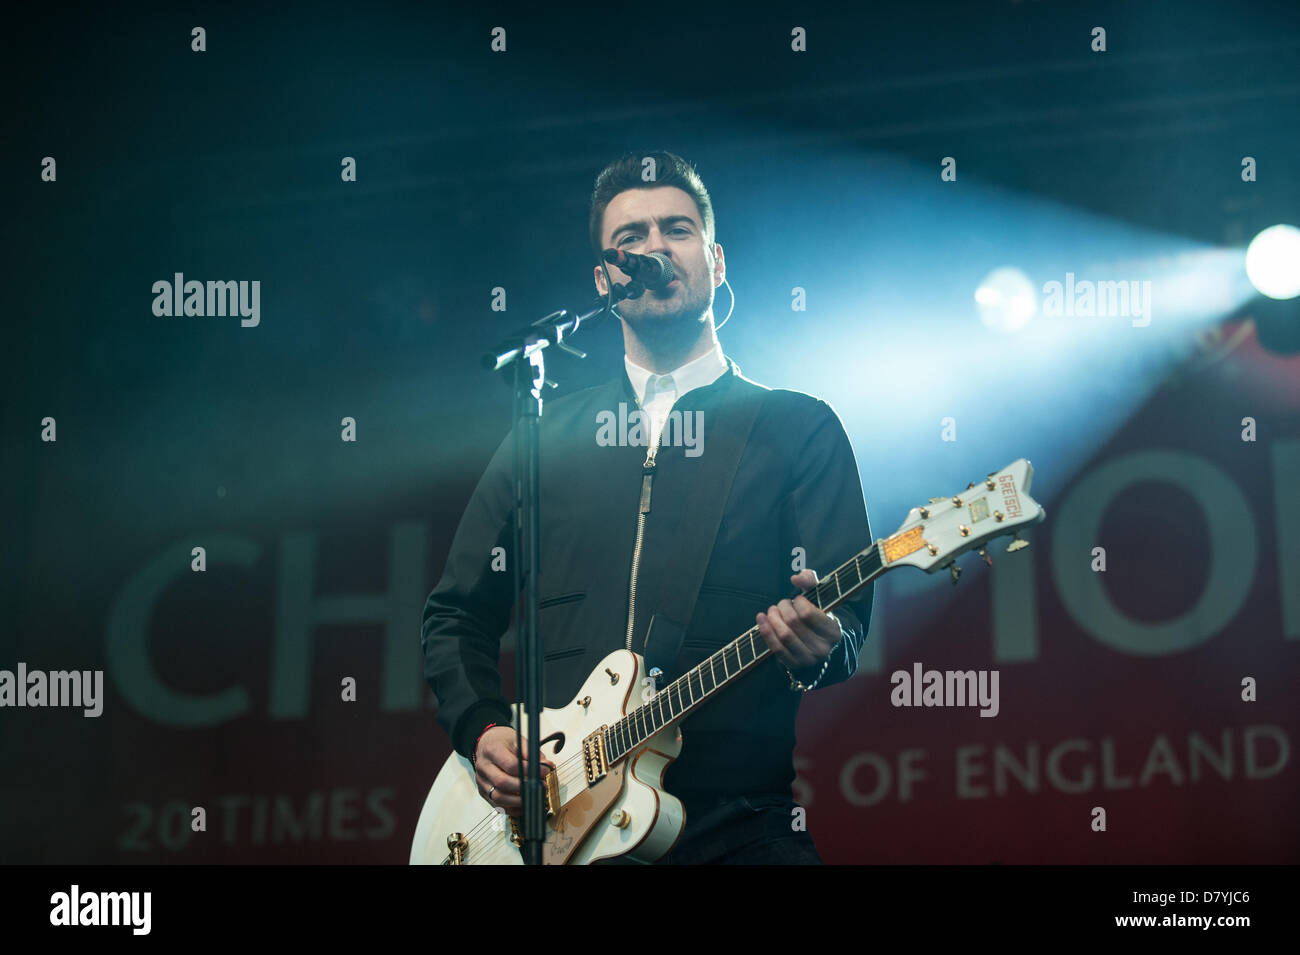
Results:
593 756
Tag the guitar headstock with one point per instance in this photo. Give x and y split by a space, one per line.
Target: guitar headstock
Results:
935 534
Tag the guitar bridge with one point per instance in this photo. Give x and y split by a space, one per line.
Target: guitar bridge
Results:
552 782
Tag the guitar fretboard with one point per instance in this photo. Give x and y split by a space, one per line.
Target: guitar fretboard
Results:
691 690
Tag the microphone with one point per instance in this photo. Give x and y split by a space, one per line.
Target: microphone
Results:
654 270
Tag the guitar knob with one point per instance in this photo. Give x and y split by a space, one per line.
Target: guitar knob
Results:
620 819
585 702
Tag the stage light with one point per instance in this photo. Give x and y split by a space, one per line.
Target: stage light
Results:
1273 261
1007 300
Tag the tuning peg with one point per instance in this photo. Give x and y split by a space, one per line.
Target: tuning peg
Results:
1017 544
985 554
955 571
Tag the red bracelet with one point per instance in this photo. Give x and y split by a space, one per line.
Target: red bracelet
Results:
473 756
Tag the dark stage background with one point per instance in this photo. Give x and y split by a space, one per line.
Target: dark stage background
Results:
1120 689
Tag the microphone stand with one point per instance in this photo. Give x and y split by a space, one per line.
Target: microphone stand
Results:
527 345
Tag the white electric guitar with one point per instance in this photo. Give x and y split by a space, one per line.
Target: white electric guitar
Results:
610 747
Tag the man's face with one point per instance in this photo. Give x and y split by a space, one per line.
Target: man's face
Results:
663 219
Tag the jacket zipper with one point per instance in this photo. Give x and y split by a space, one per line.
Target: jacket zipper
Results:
647 476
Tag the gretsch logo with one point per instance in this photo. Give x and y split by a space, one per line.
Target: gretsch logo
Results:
1010 499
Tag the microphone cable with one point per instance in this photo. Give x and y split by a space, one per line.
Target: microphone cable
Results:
733 304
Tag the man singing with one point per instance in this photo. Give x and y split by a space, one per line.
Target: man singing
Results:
615 513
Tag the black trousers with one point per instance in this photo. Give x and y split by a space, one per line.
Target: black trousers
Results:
749 830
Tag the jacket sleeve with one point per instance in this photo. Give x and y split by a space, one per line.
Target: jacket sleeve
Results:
831 519
469 610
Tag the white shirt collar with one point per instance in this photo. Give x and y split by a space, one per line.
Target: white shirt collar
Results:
696 373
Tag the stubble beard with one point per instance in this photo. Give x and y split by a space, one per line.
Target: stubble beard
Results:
664 326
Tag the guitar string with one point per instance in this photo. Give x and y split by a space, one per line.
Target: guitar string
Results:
563 781
569 773
820 590
503 849
574 773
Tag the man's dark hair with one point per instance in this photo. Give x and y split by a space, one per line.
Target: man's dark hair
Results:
626 172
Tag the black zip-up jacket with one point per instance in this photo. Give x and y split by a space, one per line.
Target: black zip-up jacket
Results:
797 485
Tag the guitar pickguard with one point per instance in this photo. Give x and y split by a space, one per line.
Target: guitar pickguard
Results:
579 816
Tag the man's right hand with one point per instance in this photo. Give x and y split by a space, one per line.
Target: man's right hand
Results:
496 764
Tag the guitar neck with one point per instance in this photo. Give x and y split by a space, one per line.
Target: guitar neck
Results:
699 685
